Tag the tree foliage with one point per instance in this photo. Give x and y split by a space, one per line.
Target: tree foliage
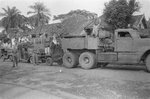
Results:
10 17
40 14
84 13
119 12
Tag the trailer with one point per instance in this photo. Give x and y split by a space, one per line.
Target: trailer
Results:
47 52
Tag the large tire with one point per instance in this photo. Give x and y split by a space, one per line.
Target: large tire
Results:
147 62
49 61
70 60
87 60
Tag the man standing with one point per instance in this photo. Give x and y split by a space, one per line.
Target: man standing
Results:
15 54
35 57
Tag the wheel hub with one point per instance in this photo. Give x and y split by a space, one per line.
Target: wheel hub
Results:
69 59
86 60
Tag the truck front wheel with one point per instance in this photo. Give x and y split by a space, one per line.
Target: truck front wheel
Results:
147 62
87 60
70 60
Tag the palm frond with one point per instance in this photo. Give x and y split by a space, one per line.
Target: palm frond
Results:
3 14
31 12
6 11
41 15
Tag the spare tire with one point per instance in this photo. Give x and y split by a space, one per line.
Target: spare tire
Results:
70 60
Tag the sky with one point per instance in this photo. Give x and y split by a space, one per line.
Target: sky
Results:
64 6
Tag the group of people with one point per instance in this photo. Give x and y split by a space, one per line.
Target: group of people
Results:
14 50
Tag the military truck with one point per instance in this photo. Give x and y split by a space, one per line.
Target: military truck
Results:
127 47
54 53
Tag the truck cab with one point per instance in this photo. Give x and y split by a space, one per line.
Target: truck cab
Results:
124 40
128 47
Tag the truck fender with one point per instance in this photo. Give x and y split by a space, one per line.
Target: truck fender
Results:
143 53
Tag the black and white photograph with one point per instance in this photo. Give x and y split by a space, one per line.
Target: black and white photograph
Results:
74 49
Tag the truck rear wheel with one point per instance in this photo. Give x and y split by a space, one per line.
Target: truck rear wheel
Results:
70 60
87 60
147 62
49 61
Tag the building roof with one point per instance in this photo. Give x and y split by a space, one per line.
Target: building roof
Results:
135 20
49 29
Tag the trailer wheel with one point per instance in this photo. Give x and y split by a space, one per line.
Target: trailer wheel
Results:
147 62
70 60
87 60
49 61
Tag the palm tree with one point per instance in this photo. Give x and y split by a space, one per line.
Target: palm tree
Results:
40 14
9 19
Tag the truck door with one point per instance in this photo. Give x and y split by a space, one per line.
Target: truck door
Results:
124 42
124 48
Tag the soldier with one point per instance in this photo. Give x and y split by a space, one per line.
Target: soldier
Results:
15 54
35 57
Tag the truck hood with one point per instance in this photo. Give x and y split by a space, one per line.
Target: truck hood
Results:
142 43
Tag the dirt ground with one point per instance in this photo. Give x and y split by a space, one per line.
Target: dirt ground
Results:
112 82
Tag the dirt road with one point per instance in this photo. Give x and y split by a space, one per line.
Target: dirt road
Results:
113 82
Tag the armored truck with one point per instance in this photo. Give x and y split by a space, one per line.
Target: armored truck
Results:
125 47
